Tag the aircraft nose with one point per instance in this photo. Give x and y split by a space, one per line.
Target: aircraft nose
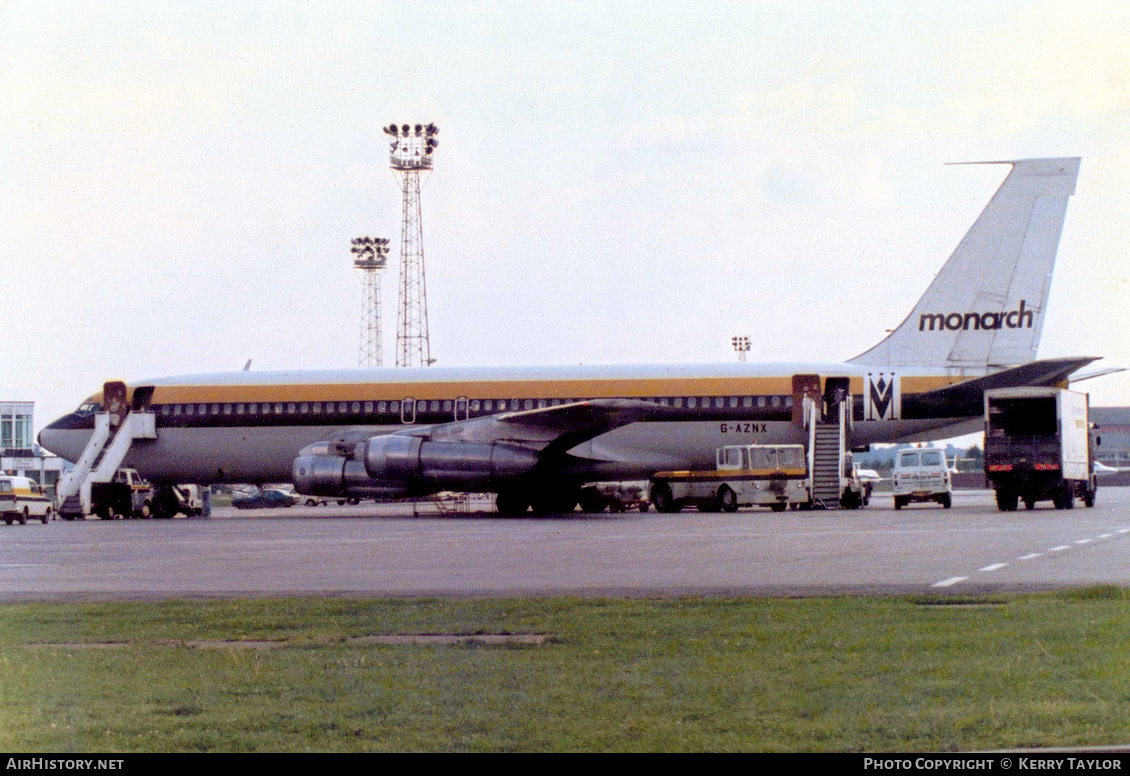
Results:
65 437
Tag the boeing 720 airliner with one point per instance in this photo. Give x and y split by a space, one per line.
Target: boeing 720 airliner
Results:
534 436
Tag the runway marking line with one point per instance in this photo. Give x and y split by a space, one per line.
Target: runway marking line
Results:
1029 556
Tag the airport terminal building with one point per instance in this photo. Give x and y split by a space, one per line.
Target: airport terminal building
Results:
1114 430
19 454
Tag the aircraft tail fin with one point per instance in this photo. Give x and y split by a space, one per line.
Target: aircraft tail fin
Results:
985 307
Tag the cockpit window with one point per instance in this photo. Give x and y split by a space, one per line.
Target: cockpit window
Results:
88 408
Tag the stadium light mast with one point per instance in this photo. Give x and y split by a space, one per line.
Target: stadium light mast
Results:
410 153
741 346
370 256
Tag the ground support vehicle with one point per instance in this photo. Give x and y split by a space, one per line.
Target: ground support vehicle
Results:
921 475
126 495
29 501
169 500
774 476
1039 446
7 500
614 496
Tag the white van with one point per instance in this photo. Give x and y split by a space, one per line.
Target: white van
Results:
921 475
31 501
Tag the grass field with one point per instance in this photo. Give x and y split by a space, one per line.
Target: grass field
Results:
842 674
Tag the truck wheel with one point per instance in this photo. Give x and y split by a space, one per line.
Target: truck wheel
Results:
662 499
947 501
727 499
643 506
1006 500
1068 498
46 516
1088 498
898 502
777 507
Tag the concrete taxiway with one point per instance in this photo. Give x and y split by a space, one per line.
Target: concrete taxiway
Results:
384 550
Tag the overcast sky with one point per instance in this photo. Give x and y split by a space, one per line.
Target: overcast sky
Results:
615 181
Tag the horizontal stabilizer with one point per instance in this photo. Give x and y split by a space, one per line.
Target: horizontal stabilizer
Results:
1110 370
955 400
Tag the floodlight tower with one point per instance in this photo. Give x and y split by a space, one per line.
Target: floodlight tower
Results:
741 346
370 258
411 150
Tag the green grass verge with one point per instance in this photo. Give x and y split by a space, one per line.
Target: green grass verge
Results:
842 674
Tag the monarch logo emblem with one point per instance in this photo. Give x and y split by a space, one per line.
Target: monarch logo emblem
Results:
883 399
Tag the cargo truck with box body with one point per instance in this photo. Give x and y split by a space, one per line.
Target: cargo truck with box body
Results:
1039 447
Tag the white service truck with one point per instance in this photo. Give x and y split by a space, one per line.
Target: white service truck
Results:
1039 447
128 494
774 476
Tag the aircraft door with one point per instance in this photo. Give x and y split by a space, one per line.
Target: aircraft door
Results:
142 397
836 392
114 401
461 411
804 385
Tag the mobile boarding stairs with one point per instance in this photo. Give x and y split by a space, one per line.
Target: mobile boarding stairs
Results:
115 431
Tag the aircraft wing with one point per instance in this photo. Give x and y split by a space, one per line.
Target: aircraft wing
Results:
548 429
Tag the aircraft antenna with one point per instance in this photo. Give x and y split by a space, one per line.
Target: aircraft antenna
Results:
370 256
410 153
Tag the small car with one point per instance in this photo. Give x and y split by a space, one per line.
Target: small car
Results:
265 499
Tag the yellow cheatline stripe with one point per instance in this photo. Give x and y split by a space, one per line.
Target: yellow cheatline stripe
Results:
731 474
506 389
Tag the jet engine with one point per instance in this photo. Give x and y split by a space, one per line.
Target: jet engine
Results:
446 465
393 466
